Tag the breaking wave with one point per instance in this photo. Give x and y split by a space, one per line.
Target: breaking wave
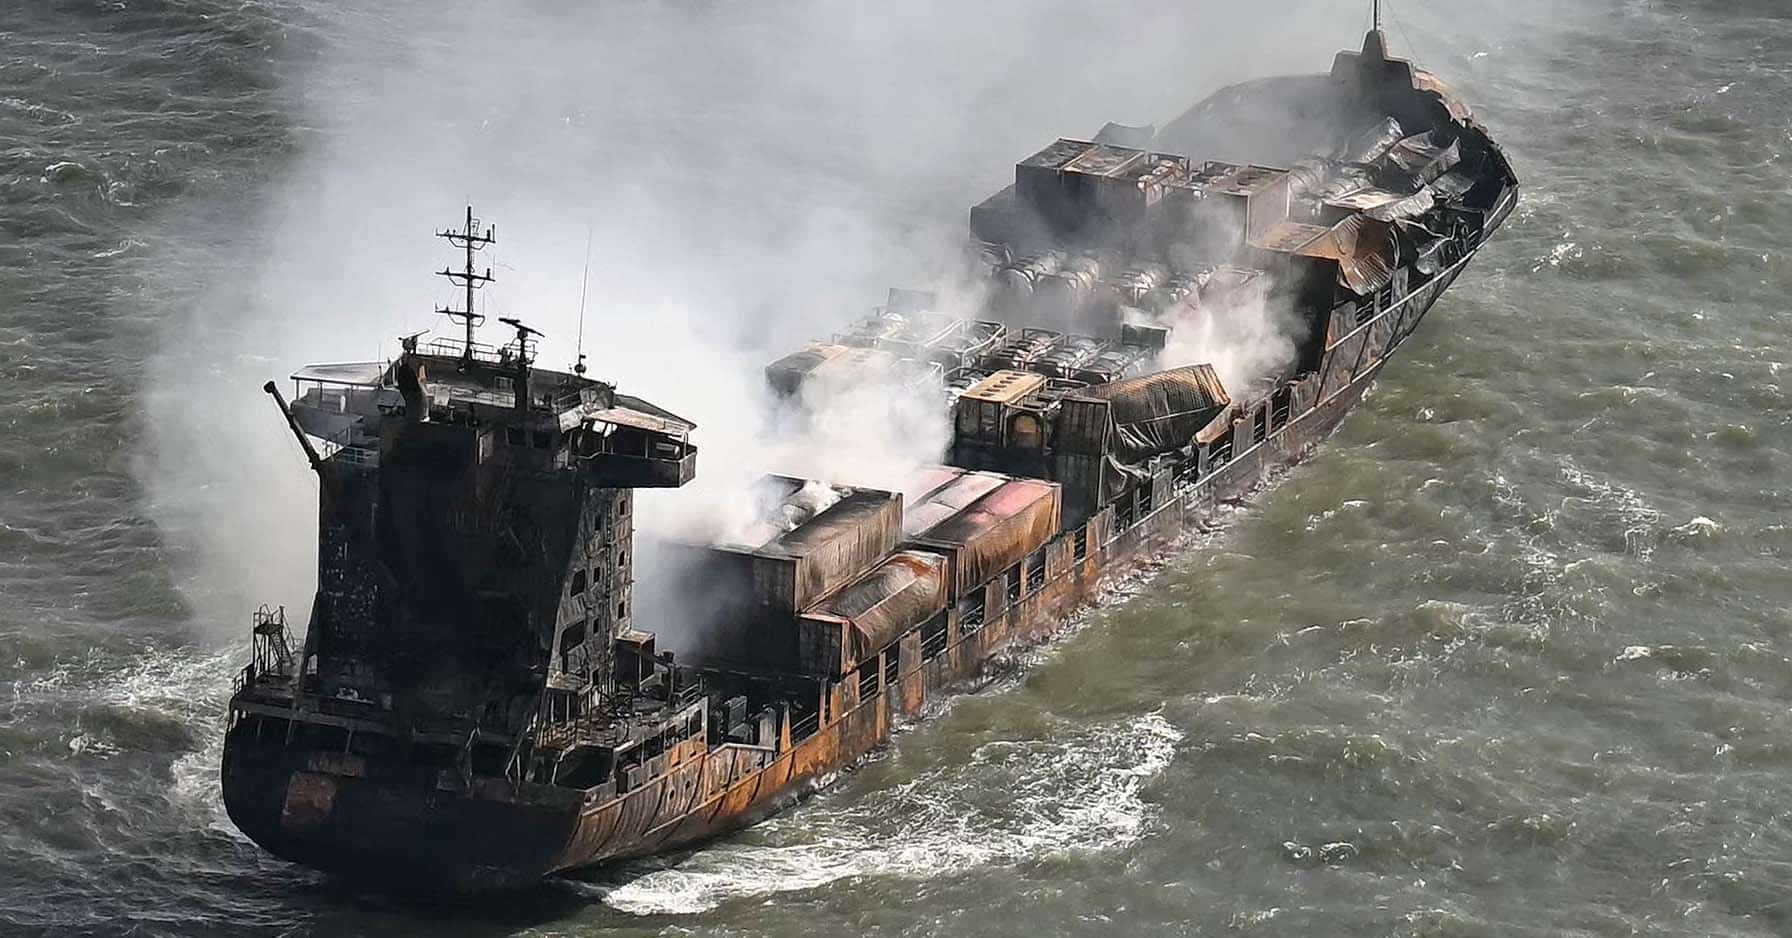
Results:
1011 801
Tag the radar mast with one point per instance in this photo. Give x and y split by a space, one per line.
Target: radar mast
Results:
471 240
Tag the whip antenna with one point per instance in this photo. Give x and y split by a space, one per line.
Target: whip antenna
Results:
578 366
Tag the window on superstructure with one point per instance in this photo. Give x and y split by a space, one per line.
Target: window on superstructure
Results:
514 436
622 610
578 584
543 439
892 664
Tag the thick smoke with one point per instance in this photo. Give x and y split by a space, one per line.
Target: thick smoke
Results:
749 176
1248 338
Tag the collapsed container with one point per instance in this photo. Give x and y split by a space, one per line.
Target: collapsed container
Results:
871 613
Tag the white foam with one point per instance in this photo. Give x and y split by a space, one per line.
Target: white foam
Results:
182 685
1700 526
1011 800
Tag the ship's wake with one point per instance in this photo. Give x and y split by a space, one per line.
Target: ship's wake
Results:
1077 788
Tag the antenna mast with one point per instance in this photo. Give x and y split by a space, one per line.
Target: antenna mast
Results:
471 240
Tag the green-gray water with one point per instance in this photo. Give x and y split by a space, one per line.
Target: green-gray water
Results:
1510 655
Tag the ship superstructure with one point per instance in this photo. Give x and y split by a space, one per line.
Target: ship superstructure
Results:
475 702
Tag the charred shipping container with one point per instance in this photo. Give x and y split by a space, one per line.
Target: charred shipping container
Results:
479 700
869 615
995 532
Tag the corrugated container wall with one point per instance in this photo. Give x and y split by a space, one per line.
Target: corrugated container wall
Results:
832 549
872 612
996 532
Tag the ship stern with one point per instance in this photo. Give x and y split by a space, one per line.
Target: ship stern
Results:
386 823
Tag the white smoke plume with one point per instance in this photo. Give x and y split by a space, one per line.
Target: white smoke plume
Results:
749 176
1249 338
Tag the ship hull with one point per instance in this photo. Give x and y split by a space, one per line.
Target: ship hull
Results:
337 813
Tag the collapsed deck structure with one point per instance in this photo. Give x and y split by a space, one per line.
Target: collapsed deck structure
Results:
474 703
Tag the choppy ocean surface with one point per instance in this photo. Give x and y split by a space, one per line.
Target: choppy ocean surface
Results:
1510 656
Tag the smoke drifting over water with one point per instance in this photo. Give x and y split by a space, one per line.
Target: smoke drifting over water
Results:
749 177
1517 636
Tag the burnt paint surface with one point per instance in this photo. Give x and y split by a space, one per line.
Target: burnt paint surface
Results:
494 833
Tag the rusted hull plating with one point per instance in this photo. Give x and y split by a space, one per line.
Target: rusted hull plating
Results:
332 812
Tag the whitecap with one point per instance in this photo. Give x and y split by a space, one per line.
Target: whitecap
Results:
63 171
1061 795
123 247
1700 526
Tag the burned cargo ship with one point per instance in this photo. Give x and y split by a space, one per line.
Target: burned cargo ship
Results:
475 704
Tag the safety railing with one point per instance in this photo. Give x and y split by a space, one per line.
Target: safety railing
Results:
343 448
270 649
806 727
